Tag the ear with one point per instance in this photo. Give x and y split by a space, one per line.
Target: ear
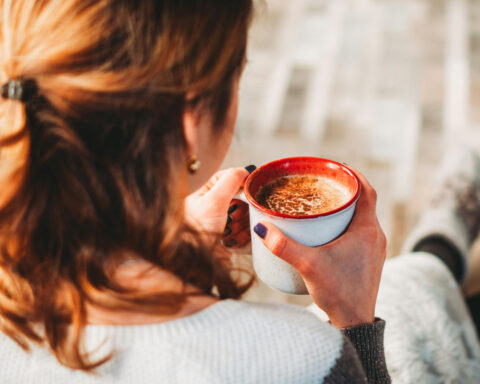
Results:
190 127
190 132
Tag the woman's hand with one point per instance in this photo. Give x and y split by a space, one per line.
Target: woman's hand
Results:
211 209
237 230
342 276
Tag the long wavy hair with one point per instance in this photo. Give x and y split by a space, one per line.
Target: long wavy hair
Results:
93 152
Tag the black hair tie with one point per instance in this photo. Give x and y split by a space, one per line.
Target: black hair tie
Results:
18 89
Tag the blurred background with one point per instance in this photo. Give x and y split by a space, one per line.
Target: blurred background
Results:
383 85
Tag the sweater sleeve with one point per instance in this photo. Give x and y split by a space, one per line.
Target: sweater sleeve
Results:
367 341
362 359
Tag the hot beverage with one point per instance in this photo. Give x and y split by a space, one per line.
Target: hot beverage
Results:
303 195
311 200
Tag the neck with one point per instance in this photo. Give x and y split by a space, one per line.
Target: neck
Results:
145 278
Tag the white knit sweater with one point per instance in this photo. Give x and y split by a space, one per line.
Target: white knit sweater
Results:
429 339
229 342
429 335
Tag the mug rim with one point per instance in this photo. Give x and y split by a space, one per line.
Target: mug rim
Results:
263 209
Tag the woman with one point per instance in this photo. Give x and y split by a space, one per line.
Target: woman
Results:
112 113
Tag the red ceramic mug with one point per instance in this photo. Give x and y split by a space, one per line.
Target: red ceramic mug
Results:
311 230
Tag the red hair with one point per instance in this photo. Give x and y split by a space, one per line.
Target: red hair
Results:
92 155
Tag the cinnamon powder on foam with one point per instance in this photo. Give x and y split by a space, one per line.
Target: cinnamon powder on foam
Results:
303 195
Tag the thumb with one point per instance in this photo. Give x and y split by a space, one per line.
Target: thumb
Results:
287 249
227 186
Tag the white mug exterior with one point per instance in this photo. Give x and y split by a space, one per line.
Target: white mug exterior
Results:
277 273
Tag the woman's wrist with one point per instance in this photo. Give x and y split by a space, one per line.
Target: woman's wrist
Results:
353 318
346 309
351 322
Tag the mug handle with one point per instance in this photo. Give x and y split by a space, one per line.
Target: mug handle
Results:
241 196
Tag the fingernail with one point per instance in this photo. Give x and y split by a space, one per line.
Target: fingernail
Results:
229 220
260 230
250 168
230 243
227 231
232 209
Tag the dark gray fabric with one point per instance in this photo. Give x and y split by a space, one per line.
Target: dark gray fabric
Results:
348 368
367 340
445 251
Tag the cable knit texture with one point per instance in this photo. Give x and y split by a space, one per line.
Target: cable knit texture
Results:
429 335
229 342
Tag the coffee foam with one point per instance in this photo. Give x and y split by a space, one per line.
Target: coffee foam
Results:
303 195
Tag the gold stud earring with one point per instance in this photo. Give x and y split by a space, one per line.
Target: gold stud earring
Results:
193 164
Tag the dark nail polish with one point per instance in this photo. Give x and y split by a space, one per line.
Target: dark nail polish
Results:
232 209
230 243
260 230
251 168
227 231
229 220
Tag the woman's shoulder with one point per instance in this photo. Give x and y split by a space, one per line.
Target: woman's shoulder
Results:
244 326
286 317
281 324
281 338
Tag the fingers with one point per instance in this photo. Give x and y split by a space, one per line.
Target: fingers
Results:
367 191
237 231
364 225
210 183
237 226
238 240
365 213
283 246
237 219
228 184
238 209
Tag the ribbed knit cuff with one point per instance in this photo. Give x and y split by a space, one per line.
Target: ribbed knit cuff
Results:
367 339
